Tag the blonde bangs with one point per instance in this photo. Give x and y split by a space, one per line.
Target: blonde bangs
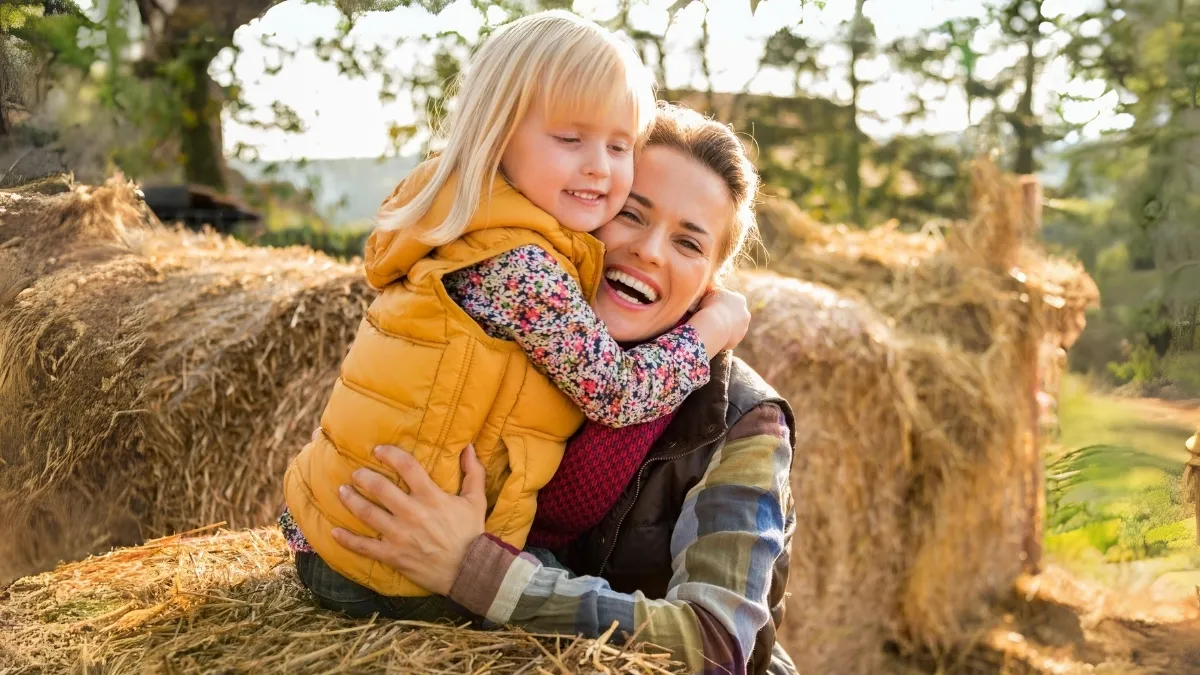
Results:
601 85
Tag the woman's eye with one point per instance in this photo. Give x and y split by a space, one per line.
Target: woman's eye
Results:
688 243
629 215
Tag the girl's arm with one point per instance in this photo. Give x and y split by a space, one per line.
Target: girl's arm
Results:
526 296
741 511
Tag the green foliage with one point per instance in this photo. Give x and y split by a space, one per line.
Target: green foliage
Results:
1114 500
340 243
1183 369
1142 365
1063 475
1113 260
946 58
1145 514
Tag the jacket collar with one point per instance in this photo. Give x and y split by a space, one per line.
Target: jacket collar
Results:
702 417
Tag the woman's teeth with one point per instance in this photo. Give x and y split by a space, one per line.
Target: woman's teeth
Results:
649 295
586 196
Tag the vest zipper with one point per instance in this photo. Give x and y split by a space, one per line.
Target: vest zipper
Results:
612 545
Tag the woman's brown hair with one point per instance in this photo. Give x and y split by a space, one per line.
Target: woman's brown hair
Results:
715 146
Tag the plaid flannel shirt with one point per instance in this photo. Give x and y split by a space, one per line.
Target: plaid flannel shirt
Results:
734 525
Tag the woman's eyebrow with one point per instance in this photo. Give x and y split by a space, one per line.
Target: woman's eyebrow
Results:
698 229
644 201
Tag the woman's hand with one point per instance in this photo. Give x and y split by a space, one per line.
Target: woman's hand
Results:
424 534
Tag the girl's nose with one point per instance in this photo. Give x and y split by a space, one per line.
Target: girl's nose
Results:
596 162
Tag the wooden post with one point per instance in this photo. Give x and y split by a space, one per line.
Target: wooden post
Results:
1035 506
1191 478
1031 191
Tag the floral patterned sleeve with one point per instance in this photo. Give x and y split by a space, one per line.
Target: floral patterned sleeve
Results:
524 295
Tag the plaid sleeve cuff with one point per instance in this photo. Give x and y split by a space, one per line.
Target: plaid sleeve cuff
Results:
492 578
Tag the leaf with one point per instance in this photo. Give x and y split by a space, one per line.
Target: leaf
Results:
680 4
753 6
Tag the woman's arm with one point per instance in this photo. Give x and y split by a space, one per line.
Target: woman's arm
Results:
729 535
524 295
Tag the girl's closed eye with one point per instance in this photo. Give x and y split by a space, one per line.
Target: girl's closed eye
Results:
567 138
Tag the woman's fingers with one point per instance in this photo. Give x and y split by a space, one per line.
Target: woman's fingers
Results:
474 481
373 516
420 485
316 434
371 548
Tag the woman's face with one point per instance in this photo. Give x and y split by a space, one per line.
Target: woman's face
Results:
662 248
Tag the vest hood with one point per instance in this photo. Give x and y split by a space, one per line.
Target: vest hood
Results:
391 254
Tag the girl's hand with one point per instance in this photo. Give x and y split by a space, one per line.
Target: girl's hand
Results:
424 534
722 320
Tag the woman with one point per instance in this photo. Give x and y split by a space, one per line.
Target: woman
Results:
693 553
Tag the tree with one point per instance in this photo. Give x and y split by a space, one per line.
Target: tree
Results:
860 38
949 54
171 93
1148 54
30 30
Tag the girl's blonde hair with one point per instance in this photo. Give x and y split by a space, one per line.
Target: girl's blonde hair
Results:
568 64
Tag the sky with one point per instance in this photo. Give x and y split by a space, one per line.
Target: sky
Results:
343 117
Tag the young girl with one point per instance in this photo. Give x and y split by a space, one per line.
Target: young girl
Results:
482 333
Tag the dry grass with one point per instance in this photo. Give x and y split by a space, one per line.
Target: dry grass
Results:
917 470
151 380
230 602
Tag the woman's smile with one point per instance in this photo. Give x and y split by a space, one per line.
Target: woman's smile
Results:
631 286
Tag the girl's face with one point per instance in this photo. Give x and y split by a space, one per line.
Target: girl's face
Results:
577 170
662 249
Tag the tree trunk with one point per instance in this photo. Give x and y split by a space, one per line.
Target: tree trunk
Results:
705 66
200 135
854 161
193 32
1023 123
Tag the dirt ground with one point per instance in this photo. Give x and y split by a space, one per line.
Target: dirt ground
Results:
1053 623
1186 413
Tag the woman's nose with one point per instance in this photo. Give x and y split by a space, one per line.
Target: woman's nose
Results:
650 247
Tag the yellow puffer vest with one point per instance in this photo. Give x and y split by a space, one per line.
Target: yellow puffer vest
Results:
423 376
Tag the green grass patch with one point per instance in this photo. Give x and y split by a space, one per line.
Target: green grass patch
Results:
1113 477
1096 536
1087 419
1179 534
79 610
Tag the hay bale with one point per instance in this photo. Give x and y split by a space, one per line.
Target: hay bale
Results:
151 380
918 482
837 361
231 602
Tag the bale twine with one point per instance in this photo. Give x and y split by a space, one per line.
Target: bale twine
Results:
230 602
151 380
964 316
